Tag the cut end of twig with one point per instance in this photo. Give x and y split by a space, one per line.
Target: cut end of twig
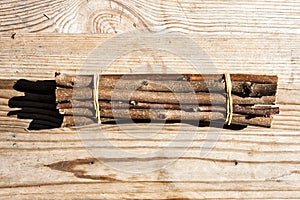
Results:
133 103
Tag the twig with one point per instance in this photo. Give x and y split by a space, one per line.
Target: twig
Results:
75 104
154 114
65 94
77 111
77 121
73 81
164 97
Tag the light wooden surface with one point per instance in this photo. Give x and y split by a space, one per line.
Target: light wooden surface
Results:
238 36
116 16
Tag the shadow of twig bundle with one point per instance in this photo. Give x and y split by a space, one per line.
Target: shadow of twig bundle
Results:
38 104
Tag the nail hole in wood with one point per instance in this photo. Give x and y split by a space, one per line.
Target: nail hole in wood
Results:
13 36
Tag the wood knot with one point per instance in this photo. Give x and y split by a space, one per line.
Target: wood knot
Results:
145 83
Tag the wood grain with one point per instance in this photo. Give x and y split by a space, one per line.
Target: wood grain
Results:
259 37
240 164
67 53
118 16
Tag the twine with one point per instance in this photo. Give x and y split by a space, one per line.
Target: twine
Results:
96 97
229 102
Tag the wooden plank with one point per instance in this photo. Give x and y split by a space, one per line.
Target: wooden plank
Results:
56 164
68 53
239 37
118 16
70 168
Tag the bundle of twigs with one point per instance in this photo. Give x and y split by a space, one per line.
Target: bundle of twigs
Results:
166 97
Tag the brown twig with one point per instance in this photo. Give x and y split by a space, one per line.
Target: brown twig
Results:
157 114
255 78
161 86
66 94
75 104
142 105
77 121
241 77
255 121
250 110
244 88
165 97
63 94
78 112
73 81
182 115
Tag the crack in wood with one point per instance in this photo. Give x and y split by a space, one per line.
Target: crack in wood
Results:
70 166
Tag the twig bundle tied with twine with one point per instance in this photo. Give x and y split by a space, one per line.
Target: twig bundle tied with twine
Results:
237 98
233 99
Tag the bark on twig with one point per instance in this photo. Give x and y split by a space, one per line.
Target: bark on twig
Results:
246 110
162 85
243 88
141 105
249 110
78 112
77 121
255 78
65 80
154 114
182 115
66 94
75 104
242 77
165 97
255 121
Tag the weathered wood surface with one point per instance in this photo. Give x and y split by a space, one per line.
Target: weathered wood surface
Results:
117 16
265 158
240 37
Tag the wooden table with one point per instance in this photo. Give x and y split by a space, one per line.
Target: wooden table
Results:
39 38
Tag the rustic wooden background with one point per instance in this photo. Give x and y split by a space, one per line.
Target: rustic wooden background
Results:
38 38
